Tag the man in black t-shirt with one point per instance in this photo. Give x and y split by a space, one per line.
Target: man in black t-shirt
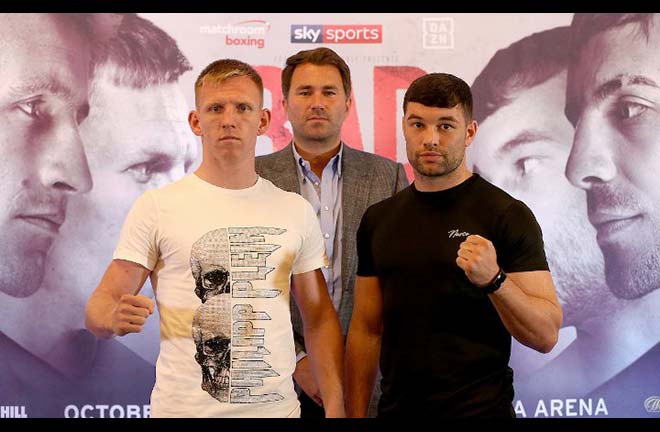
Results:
448 270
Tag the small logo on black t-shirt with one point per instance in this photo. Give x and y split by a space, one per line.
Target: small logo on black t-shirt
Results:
457 233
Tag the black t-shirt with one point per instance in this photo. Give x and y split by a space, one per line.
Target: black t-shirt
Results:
444 348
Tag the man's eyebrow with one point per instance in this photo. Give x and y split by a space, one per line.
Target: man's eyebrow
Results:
607 88
524 137
310 86
443 118
37 85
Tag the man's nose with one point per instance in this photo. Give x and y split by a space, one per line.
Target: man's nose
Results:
63 163
228 118
592 156
432 138
318 102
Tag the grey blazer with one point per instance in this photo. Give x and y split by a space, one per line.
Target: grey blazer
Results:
366 180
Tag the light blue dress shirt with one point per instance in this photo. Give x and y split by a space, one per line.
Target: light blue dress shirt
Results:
325 195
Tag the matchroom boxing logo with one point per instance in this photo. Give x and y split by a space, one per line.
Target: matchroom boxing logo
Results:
244 33
337 34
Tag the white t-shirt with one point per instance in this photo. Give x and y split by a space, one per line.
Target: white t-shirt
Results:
232 354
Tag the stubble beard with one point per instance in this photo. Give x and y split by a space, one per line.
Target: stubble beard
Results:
445 167
632 274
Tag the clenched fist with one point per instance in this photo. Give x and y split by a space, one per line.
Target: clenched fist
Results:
131 313
478 259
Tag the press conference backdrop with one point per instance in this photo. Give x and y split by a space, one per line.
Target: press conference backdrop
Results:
605 363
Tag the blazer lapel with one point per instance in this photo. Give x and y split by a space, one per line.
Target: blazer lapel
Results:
284 172
355 196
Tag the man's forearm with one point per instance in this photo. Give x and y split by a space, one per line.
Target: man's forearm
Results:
361 366
98 314
325 345
533 320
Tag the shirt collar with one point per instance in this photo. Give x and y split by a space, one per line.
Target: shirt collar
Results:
335 161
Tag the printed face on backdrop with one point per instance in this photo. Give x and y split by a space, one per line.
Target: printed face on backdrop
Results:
317 104
228 118
522 147
43 99
613 99
135 139
436 138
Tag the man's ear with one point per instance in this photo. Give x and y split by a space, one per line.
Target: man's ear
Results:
193 121
264 121
470 132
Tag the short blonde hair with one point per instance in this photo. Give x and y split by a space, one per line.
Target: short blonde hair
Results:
222 70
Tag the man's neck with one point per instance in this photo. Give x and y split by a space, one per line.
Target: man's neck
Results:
605 348
439 183
62 343
317 154
638 317
228 176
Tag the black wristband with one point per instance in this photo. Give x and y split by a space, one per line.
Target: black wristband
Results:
496 283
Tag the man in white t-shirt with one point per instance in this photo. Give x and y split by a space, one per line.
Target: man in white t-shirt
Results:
224 248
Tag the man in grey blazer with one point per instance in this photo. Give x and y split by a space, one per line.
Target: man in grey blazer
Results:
339 181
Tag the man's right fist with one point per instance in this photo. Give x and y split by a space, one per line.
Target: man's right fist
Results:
131 313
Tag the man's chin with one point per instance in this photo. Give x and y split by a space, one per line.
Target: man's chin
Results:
631 284
27 281
318 134
631 275
432 171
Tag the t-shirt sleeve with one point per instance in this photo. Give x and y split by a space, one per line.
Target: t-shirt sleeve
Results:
520 246
312 253
137 240
364 250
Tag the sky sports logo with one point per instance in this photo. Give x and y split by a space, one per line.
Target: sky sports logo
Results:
337 34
